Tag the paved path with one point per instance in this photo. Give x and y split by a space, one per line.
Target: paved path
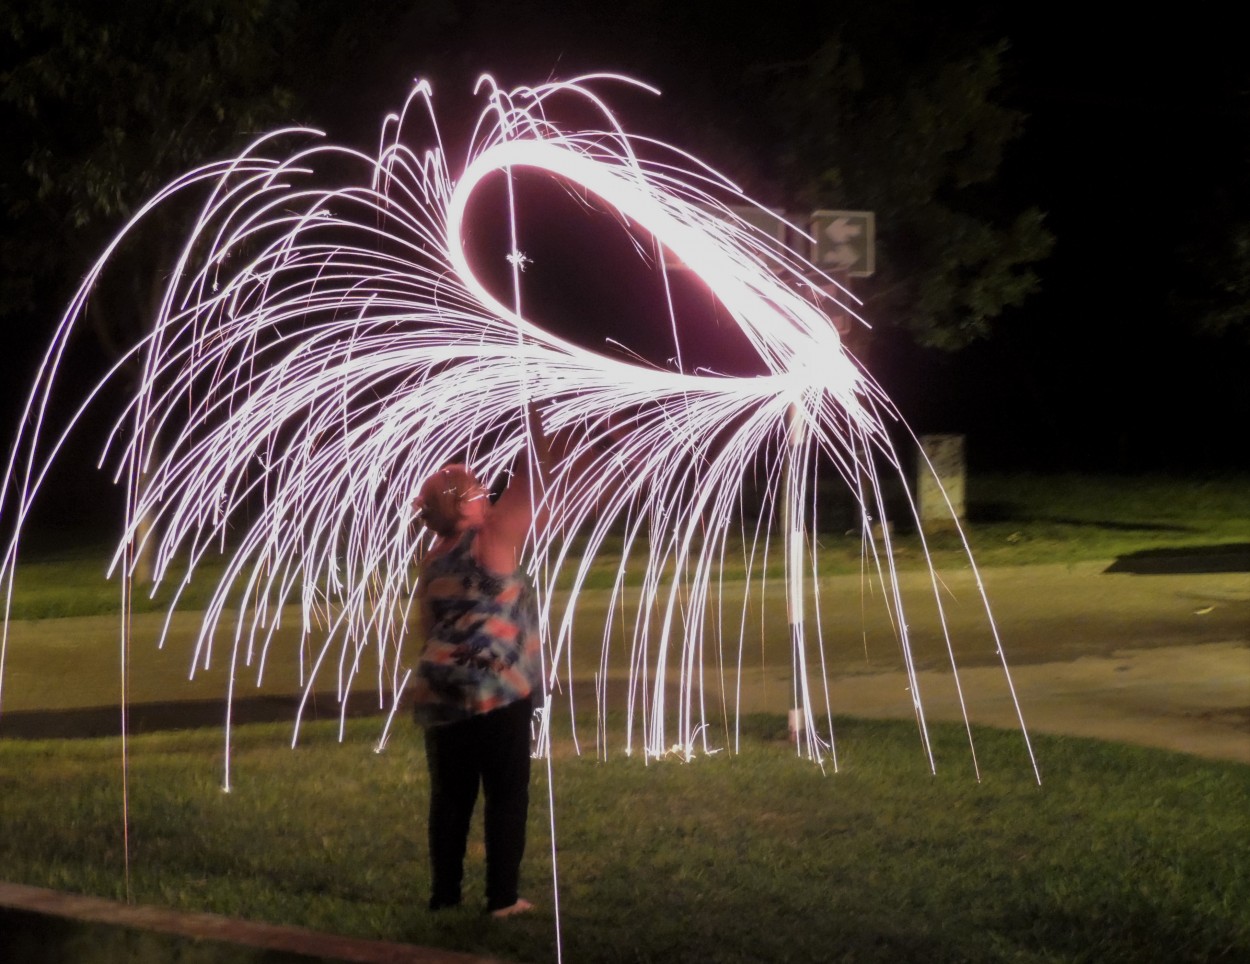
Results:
1160 659
1192 699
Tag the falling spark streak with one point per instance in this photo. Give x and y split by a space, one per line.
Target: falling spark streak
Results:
321 349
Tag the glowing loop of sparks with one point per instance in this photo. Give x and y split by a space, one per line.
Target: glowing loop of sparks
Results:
320 350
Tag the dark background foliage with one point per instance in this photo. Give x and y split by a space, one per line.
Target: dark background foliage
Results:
1061 194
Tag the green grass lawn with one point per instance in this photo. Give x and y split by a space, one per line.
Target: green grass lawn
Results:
1123 854
1012 520
1023 519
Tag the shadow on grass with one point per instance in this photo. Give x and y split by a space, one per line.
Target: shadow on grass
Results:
98 721
1137 935
987 512
1234 557
26 936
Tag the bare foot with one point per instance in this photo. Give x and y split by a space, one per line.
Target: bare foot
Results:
520 907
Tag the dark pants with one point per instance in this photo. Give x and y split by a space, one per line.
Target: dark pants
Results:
493 748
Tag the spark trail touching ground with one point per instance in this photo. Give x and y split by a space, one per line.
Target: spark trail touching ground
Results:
325 342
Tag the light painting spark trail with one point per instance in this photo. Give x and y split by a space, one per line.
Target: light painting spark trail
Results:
325 342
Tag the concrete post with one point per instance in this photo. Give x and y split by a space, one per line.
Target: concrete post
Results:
940 482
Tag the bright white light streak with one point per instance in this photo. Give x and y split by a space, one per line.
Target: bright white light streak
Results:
324 343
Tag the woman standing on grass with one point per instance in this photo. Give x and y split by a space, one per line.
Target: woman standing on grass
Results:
479 669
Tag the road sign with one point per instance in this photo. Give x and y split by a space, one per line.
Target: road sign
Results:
845 242
768 221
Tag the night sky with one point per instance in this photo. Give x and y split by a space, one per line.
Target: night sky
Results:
1136 140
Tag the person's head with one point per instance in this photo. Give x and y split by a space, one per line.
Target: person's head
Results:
451 499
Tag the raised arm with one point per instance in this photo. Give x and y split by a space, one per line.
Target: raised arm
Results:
526 502
502 538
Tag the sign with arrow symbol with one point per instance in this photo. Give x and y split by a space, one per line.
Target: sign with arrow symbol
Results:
845 242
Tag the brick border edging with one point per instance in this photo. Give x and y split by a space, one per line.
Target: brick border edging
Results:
227 930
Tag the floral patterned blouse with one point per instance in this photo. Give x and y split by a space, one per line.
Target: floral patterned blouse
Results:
482 647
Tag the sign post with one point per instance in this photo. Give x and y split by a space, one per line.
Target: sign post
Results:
940 484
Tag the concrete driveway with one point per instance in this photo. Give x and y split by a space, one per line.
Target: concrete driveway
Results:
1161 659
